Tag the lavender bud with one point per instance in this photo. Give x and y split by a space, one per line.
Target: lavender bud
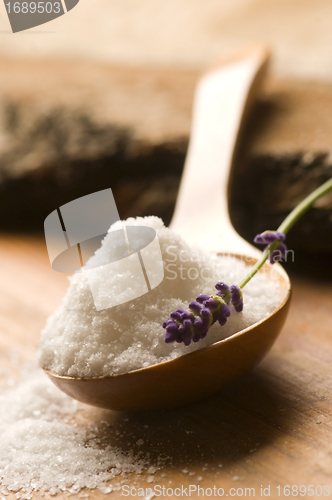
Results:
221 287
206 318
238 307
212 304
269 237
274 256
172 328
170 337
205 313
236 298
176 315
202 298
187 336
186 315
198 324
188 324
235 291
225 310
280 236
167 322
195 306
171 332
283 250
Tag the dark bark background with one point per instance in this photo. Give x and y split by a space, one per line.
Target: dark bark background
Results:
69 129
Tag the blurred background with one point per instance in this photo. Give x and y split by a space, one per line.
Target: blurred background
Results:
101 97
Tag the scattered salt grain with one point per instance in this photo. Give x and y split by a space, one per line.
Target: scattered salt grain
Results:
105 489
40 452
80 341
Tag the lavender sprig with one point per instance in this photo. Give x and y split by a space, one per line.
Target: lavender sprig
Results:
268 237
193 324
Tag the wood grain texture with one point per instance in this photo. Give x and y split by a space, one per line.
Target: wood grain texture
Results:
272 427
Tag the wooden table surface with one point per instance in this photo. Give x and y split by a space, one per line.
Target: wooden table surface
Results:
273 427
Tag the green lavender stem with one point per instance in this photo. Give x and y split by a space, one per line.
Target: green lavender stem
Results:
287 224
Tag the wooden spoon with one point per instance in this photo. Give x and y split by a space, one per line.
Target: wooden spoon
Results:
201 216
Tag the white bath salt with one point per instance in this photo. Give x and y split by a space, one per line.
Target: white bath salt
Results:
80 341
40 452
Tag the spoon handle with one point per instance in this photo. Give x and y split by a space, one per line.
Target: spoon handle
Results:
221 102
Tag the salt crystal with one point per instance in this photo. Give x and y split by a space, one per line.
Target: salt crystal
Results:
39 451
80 341
105 489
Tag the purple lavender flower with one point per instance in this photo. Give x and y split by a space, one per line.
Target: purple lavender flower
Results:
223 291
236 298
269 237
193 324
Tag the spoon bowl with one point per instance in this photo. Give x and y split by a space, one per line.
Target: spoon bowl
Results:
188 378
201 216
